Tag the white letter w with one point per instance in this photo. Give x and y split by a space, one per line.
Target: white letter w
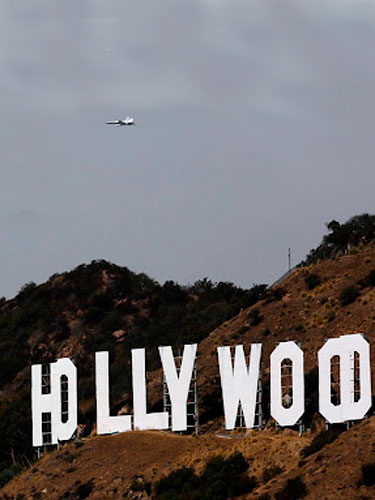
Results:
239 384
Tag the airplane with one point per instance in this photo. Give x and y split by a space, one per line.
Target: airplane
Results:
127 121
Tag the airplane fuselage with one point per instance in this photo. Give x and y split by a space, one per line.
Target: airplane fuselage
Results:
120 123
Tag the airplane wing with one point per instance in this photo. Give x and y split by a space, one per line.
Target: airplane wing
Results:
116 122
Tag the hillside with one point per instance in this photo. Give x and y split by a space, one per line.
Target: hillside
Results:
94 307
126 465
99 306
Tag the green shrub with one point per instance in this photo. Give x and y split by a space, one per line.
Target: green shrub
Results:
331 316
274 294
226 477
69 457
312 280
322 439
369 280
98 307
368 474
255 317
348 295
178 482
7 474
299 328
243 330
85 489
15 430
271 472
27 288
293 489
222 478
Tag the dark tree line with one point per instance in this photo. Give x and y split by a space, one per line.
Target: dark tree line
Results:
358 229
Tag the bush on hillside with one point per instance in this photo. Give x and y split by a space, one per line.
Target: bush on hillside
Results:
14 357
271 472
369 280
84 490
7 474
274 294
312 281
15 430
178 483
255 317
348 295
26 289
222 478
321 440
243 330
293 490
368 474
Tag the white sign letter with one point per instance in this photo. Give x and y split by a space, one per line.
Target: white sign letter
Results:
239 384
51 403
348 409
105 423
142 419
178 384
287 408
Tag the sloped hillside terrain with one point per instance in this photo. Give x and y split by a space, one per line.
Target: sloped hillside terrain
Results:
94 307
128 464
131 465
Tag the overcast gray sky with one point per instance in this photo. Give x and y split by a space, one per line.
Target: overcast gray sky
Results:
255 127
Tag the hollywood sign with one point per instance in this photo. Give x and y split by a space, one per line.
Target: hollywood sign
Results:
239 383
